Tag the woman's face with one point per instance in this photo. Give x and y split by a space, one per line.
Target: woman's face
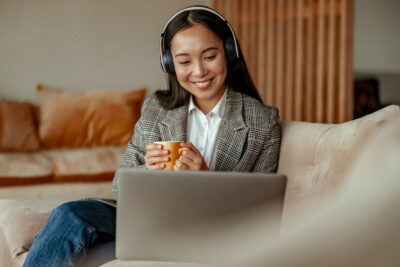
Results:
200 65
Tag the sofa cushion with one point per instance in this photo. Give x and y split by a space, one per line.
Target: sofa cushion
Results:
83 119
68 191
20 220
17 127
85 164
316 157
18 168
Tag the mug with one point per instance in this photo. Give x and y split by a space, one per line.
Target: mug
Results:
175 150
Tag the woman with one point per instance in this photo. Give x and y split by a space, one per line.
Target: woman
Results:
211 106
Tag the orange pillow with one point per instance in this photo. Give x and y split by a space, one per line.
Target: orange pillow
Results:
92 118
17 127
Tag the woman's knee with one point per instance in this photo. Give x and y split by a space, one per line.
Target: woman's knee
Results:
88 211
67 211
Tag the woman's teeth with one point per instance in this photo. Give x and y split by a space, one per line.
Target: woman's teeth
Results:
203 84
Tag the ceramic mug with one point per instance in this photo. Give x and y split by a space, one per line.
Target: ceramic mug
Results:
175 150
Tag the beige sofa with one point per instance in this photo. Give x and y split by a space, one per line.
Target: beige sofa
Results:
68 146
326 165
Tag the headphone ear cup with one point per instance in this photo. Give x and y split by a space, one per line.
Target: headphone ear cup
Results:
168 62
230 50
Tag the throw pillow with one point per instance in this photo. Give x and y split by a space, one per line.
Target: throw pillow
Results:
18 131
91 118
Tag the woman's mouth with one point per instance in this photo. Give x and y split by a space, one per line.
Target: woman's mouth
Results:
203 84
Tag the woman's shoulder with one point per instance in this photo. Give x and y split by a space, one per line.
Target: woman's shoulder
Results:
255 108
152 107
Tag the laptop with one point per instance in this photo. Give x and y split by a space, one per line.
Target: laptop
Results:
189 216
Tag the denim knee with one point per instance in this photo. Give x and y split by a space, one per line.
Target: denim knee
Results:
67 212
66 209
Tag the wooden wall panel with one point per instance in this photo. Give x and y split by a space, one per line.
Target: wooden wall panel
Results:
299 53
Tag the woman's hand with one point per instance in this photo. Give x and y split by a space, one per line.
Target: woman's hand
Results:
190 159
155 157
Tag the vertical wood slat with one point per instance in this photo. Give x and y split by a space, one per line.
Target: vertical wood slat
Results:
279 59
235 12
270 53
331 99
342 63
349 65
261 44
319 102
298 114
289 70
244 27
254 17
309 79
299 52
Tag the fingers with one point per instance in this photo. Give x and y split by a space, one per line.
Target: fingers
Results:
190 159
180 166
190 146
155 157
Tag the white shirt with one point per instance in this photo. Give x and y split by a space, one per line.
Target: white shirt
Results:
203 130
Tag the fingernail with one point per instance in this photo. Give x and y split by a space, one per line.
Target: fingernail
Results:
165 152
166 159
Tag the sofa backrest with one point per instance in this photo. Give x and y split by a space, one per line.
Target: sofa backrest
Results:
316 156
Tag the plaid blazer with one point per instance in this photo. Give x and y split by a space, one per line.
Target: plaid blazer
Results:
249 139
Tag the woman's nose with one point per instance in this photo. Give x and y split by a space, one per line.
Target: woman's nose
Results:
199 69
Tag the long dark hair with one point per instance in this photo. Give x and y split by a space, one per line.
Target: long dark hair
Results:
238 77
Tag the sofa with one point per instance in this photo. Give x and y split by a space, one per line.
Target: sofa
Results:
67 146
333 170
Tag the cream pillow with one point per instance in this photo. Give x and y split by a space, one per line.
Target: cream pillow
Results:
92 118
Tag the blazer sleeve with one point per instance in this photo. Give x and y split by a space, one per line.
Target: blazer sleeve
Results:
268 159
134 153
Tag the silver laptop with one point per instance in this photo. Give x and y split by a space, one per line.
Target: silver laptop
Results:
194 216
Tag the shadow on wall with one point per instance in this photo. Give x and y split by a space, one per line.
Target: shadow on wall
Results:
375 90
366 96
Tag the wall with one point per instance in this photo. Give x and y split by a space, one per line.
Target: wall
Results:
80 45
377 44
73 44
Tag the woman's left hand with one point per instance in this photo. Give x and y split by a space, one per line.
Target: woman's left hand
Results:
190 159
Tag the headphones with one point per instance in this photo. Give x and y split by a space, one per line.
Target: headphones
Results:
230 45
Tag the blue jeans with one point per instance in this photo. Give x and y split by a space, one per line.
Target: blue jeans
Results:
71 231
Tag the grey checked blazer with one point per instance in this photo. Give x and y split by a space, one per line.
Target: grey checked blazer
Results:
249 139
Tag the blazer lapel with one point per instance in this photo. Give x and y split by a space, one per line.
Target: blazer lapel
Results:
233 133
174 126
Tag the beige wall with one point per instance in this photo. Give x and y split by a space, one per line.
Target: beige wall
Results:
75 44
377 45
377 36
78 45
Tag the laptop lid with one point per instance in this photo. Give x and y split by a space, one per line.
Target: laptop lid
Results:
185 216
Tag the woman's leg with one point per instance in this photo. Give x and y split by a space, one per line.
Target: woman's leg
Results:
71 230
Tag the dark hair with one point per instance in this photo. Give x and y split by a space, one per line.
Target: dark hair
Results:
238 77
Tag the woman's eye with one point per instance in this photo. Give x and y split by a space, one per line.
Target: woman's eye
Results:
184 62
210 57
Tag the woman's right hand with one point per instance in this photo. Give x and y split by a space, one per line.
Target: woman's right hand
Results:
155 157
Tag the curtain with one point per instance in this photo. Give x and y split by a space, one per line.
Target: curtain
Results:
299 54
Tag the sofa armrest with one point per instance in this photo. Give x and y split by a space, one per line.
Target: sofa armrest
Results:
20 220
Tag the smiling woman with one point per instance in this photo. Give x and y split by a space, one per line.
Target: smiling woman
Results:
211 107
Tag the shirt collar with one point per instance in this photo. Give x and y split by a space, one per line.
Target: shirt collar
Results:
219 108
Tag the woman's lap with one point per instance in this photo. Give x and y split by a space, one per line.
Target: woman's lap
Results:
71 231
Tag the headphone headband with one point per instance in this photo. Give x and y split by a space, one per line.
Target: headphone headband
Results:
189 9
